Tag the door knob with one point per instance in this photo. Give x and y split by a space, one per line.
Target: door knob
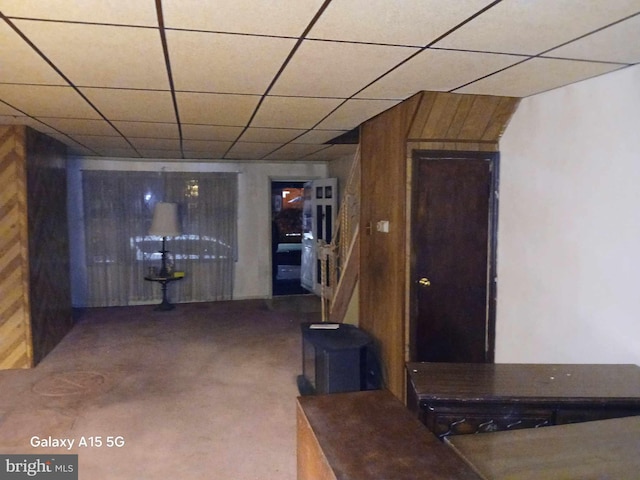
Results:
424 282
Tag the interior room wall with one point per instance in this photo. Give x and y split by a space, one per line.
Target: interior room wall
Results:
569 227
253 268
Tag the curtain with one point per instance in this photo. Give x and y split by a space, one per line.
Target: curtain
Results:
118 209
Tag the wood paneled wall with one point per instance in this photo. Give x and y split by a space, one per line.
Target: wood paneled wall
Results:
426 121
15 328
382 255
35 298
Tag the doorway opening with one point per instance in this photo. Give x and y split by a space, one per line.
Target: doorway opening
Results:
287 200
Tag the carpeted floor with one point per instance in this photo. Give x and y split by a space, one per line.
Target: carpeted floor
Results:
206 391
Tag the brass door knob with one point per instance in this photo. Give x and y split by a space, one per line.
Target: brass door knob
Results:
424 282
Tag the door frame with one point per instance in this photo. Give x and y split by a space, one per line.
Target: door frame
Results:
418 155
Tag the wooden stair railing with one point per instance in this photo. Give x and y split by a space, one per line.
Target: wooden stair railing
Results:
340 259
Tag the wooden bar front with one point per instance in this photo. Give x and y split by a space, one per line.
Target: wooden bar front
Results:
369 436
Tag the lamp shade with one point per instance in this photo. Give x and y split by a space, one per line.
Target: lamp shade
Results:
165 220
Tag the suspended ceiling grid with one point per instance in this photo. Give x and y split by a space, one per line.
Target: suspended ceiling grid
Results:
276 80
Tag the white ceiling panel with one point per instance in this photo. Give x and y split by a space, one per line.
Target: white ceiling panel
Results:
331 69
101 56
166 154
47 101
216 109
294 151
222 63
7 111
246 79
437 70
251 151
394 23
522 80
97 142
90 11
155 143
76 126
275 17
207 146
132 105
532 27
354 112
333 152
210 132
21 64
319 136
618 43
147 129
293 112
271 135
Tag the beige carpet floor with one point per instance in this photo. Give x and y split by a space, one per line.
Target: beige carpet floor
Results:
205 391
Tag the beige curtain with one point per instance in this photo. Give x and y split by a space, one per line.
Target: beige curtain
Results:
118 208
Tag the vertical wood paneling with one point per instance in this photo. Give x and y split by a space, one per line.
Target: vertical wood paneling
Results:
430 121
15 334
382 281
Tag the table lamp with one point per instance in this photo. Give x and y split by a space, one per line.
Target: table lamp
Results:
165 224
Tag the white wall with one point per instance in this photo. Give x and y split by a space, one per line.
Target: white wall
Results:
569 225
253 268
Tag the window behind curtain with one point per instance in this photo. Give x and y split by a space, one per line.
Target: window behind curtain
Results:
118 209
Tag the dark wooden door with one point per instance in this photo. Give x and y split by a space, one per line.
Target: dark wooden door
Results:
451 243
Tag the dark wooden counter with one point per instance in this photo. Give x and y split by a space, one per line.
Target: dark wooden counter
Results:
369 436
605 449
470 398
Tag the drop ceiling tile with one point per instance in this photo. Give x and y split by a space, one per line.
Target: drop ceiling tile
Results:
271 135
101 55
293 112
527 27
155 143
382 21
333 152
275 17
223 63
47 101
216 109
94 11
132 105
75 126
190 156
336 69
535 76
437 70
354 112
294 151
210 132
618 43
316 137
97 142
21 64
29 122
213 147
8 110
115 152
148 129
250 151
166 154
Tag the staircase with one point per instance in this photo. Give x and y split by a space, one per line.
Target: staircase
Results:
340 259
